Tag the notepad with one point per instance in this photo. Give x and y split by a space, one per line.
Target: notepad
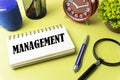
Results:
38 46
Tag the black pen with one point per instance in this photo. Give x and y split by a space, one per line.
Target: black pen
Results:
79 58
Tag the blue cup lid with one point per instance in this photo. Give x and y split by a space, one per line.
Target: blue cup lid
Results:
6 5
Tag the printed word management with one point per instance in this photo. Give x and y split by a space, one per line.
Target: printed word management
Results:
38 43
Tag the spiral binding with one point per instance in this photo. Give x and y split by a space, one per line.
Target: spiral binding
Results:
35 32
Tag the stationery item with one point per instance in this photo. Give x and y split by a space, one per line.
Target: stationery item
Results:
10 17
103 58
39 46
79 58
35 9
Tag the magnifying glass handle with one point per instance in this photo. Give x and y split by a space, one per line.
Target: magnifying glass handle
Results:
89 70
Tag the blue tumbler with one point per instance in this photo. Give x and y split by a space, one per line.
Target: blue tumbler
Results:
10 17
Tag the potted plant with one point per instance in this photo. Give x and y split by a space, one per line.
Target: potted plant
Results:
109 12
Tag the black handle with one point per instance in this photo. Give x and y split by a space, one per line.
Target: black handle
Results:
89 70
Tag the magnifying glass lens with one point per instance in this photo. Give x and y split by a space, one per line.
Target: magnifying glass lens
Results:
108 51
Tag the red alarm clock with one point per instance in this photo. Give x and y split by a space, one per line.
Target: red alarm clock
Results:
80 10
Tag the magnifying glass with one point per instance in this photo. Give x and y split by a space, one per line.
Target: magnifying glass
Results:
103 55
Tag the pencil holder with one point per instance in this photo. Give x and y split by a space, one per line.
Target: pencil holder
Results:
35 9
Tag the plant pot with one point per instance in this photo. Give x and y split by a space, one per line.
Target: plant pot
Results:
117 30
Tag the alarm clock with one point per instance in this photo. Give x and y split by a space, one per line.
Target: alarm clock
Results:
80 10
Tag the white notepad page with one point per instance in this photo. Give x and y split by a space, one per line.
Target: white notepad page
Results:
38 46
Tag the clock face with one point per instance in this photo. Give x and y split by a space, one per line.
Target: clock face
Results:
78 10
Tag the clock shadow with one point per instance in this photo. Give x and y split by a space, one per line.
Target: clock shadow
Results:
93 19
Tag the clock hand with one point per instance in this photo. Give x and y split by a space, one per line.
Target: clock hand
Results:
83 6
71 1
75 5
